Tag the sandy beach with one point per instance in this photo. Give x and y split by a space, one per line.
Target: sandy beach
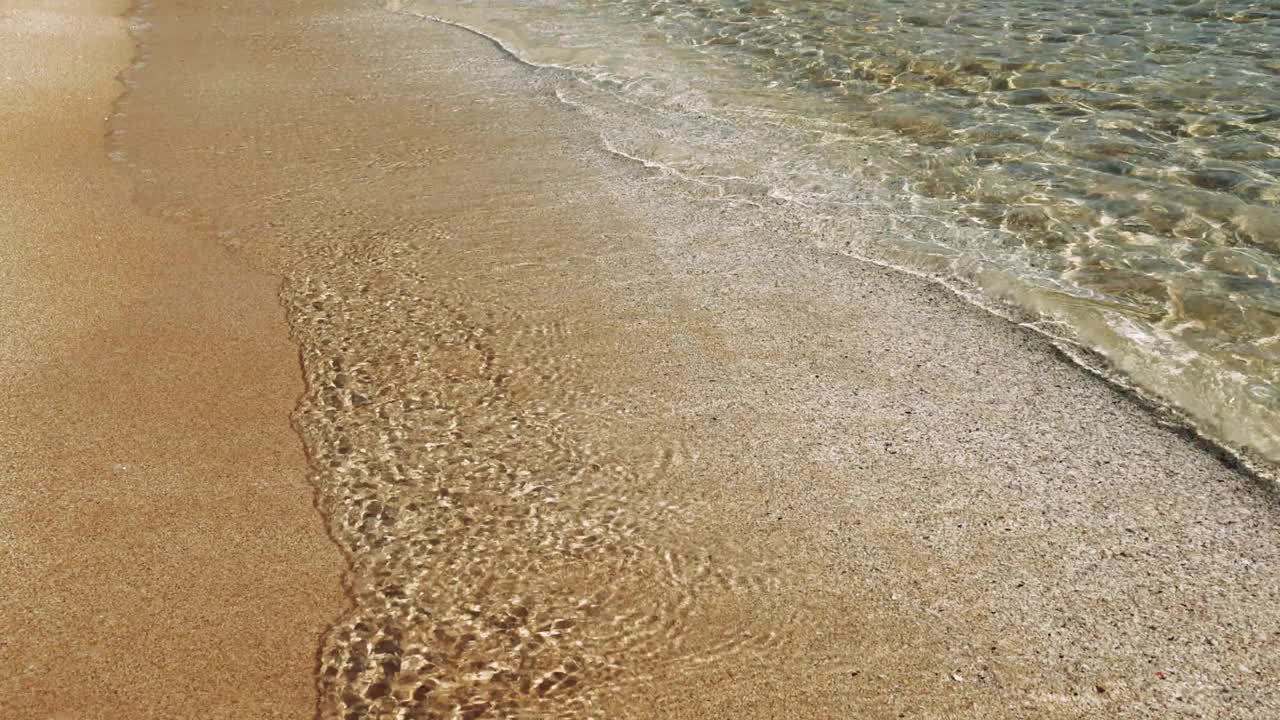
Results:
592 444
162 557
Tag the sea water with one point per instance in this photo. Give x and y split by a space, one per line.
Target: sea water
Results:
1107 173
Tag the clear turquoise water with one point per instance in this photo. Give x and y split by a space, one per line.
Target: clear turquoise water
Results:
1107 172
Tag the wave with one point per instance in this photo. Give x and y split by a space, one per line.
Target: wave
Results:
723 134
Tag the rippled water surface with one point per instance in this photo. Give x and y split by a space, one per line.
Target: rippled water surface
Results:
1113 168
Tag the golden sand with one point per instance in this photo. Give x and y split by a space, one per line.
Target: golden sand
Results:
160 556
596 447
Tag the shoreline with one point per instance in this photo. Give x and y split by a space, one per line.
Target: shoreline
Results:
1191 381
162 554
1237 457
548 389
592 445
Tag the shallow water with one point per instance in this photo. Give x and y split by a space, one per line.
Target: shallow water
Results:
525 538
1109 173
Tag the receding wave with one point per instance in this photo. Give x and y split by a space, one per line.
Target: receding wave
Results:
1108 174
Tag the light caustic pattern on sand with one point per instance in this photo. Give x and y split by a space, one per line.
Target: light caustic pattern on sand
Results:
518 547
503 562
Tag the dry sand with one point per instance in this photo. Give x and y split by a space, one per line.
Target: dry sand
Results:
160 556
598 447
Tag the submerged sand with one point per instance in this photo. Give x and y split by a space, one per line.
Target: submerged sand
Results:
596 446
160 556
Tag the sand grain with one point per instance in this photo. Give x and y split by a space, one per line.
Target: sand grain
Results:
159 552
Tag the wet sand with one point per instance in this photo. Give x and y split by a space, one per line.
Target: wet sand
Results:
596 446
159 550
